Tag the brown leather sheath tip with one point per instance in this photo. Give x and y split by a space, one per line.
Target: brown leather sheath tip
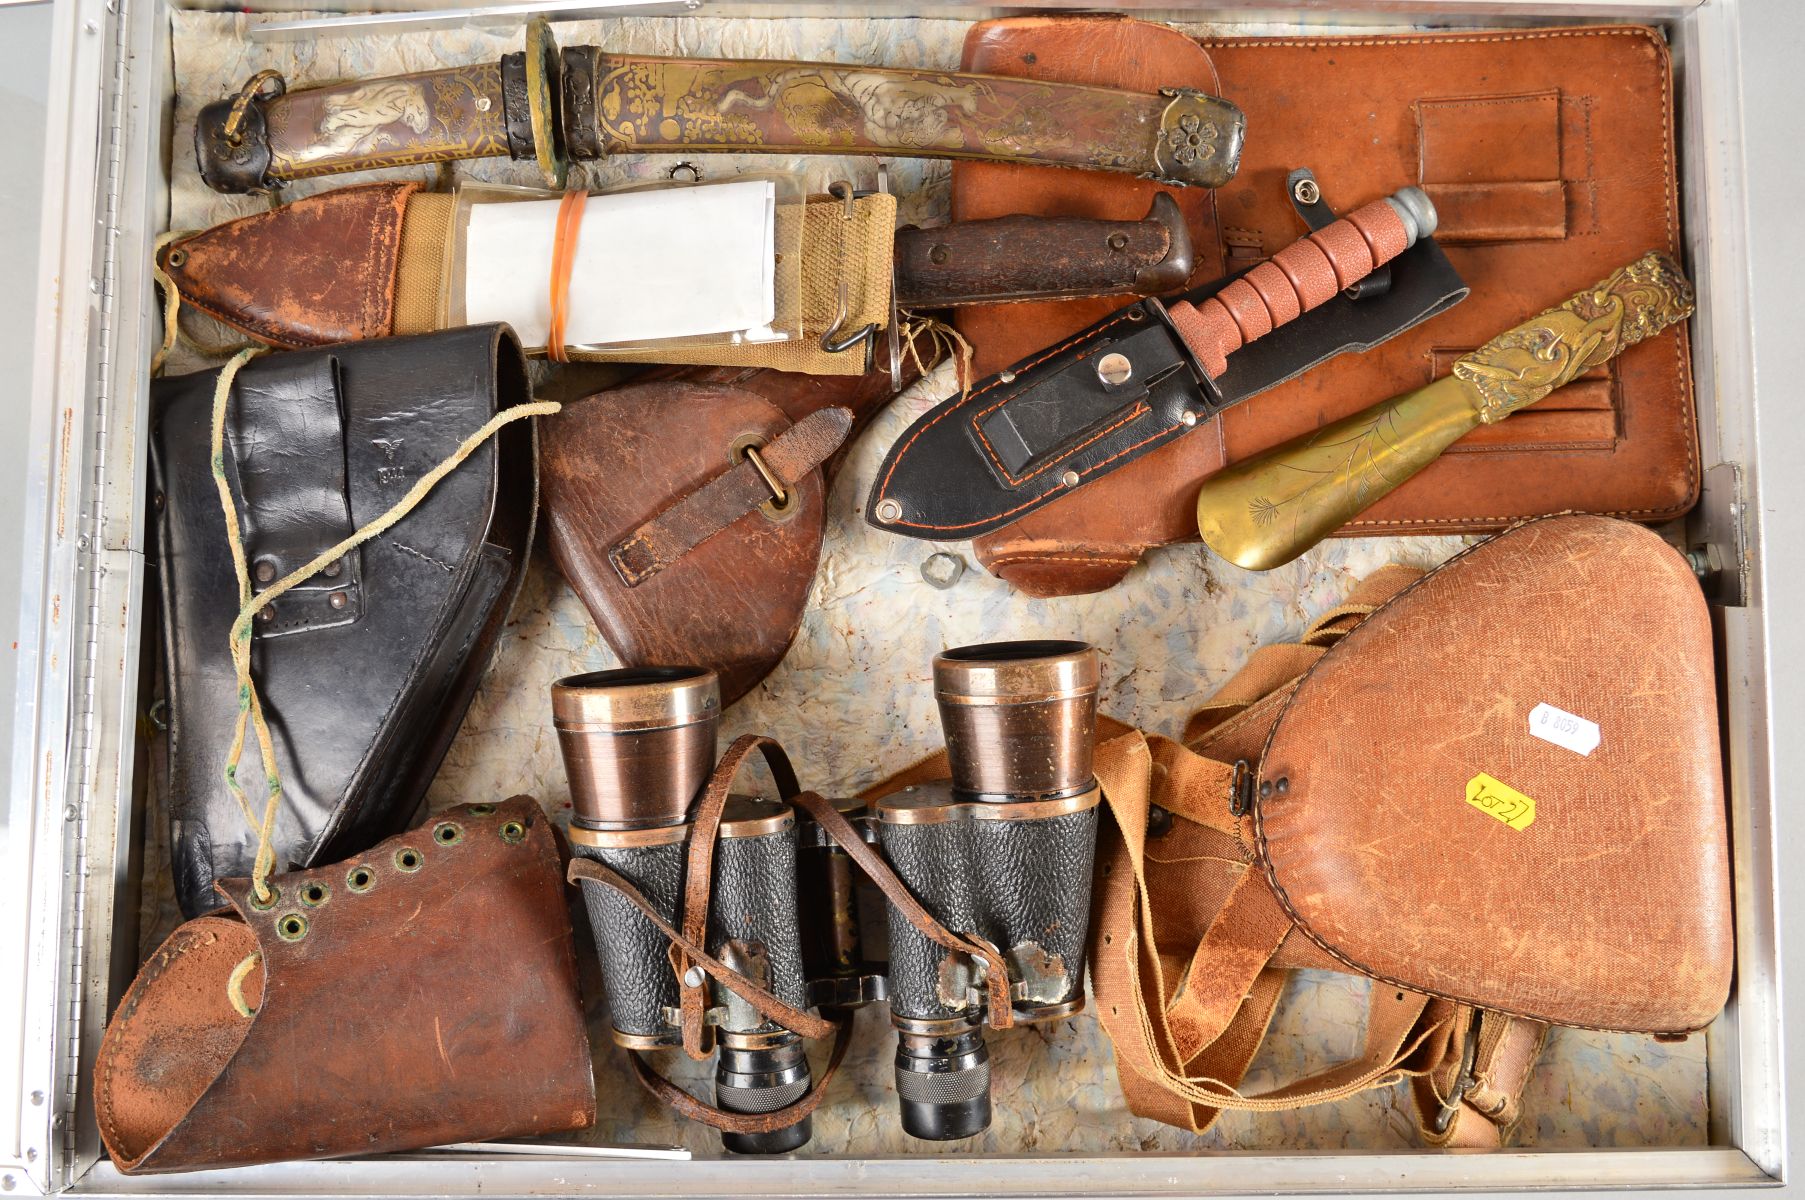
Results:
424 992
314 272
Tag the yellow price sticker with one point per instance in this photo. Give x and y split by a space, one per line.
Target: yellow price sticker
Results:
1501 800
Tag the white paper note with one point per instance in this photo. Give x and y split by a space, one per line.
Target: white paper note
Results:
1563 728
661 263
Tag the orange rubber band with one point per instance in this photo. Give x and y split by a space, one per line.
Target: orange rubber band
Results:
564 254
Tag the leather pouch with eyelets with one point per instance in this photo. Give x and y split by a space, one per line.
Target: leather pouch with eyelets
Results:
663 509
365 669
421 993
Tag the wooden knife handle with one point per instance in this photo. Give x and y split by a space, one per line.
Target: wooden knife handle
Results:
1041 258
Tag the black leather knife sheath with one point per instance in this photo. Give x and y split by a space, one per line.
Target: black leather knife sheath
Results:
1120 389
366 669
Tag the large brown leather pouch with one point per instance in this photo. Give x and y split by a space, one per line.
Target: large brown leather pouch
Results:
1549 155
422 993
1496 789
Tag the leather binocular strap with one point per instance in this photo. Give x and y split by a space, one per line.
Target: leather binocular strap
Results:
564 256
763 476
1001 1014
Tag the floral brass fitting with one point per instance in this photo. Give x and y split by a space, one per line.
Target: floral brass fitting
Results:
1200 138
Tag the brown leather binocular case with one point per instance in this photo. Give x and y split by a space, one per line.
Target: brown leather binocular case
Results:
984 879
419 994
1494 789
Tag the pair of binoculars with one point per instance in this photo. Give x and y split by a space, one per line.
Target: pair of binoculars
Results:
1000 853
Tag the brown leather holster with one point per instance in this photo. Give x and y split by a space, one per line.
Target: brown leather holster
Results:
1318 814
422 993
1549 156
669 532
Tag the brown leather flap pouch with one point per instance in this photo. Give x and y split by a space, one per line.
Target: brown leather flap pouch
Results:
421 993
1535 824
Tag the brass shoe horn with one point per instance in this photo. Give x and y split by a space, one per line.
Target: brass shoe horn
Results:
1267 511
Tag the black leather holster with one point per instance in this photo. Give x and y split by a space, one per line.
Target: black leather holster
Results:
364 670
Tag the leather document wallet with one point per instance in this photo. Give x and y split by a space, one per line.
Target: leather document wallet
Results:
1549 155
365 669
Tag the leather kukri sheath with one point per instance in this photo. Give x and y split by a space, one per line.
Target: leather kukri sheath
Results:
662 508
365 669
552 105
421 993
1549 155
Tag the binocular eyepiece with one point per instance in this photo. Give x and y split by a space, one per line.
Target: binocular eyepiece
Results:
1000 854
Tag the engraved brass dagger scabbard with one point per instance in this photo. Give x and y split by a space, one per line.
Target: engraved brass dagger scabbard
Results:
553 105
1266 511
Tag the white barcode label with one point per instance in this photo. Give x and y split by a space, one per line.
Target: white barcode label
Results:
1561 727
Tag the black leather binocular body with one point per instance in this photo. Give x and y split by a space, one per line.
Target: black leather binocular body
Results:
1000 853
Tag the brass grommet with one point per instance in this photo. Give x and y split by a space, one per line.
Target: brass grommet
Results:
360 879
447 833
292 927
409 859
275 896
177 256
315 894
481 810
513 832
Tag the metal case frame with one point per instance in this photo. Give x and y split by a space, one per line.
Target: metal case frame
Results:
69 806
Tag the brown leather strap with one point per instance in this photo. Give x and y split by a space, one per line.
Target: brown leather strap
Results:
1473 1095
1001 1013
582 870
698 883
729 496
732 1122
1305 274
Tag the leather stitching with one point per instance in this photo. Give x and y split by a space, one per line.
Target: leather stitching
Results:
1673 339
1257 812
1139 410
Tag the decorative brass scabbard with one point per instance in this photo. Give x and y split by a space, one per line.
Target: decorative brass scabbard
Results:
1266 511
582 103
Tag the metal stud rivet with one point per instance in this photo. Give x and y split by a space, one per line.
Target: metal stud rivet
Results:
266 571
939 254
266 615
338 600
1283 786
1187 417
1007 377
333 570
692 977
1118 241
1114 369
1306 191
888 510
1265 787
1070 479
